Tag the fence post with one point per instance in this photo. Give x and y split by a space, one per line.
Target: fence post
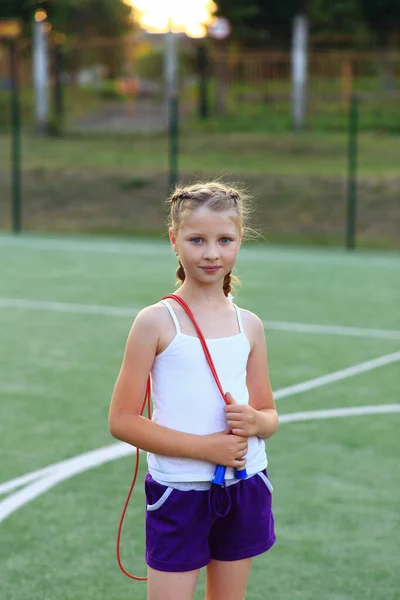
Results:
16 139
203 68
352 175
58 84
221 81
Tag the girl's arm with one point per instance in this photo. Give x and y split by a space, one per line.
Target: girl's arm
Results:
125 422
258 418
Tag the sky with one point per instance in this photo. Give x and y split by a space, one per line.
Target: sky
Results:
187 15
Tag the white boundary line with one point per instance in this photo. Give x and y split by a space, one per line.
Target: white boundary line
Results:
323 256
66 469
363 367
69 307
387 334
121 311
106 454
44 479
333 413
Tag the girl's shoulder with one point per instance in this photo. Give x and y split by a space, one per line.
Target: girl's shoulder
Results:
154 316
154 325
253 326
251 319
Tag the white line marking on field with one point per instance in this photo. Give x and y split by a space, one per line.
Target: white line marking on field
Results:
69 307
60 472
332 330
278 394
92 247
121 311
337 375
44 479
332 413
18 482
268 253
83 462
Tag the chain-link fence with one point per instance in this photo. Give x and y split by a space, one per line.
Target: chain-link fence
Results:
104 165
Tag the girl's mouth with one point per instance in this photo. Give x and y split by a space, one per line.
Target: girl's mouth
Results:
210 269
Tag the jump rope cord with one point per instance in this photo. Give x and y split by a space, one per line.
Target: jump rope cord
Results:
202 340
147 401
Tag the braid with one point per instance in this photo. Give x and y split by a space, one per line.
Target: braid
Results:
227 283
180 273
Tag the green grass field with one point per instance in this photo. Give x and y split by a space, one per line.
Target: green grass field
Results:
66 305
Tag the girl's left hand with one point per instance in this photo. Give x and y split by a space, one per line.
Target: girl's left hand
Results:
242 418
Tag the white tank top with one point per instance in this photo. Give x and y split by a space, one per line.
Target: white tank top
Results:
186 398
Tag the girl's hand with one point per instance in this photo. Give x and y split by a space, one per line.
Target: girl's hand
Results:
242 418
225 449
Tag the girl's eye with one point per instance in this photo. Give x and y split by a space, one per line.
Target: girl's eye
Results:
196 240
225 240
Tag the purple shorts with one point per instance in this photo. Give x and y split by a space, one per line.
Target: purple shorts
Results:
186 529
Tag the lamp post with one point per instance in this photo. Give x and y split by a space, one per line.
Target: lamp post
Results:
299 69
220 30
171 69
40 70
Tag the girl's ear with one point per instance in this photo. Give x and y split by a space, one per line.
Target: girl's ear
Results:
172 239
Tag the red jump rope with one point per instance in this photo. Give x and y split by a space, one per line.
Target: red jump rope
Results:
219 475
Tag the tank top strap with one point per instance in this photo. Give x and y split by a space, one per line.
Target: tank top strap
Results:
239 318
173 315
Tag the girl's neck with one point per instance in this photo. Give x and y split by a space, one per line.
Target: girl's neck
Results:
202 297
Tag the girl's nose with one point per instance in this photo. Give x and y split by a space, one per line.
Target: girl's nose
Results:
211 253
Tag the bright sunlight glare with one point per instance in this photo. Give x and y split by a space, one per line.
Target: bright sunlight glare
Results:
189 16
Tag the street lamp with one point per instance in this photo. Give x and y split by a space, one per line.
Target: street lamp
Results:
171 77
41 70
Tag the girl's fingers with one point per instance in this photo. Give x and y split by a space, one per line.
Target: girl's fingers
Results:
235 425
234 417
233 408
241 455
243 444
230 398
240 432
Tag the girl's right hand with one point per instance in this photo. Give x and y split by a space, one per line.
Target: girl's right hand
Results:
224 448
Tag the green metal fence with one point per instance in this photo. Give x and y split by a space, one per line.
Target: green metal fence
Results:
108 161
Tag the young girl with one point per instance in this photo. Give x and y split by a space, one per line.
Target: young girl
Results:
191 523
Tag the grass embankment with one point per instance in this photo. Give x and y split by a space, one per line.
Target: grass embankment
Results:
117 184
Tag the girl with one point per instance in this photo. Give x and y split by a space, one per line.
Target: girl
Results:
191 523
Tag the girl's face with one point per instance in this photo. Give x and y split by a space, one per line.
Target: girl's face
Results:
207 243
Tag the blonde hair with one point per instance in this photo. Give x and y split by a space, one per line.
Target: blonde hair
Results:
215 196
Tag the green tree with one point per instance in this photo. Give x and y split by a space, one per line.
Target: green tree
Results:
82 17
336 23
91 17
20 9
383 17
260 22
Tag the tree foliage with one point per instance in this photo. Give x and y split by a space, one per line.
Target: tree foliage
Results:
383 16
82 17
259 21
